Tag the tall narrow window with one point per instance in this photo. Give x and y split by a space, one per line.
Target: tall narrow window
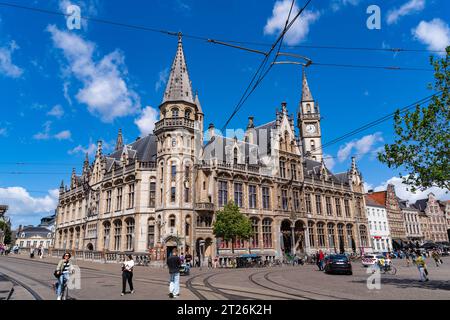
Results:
347 207
223 193
338 207
152 196
151 234
106 234
235 156
255 235
282 169
175 113
108 201
296 201
363 235
173 172
173 194
331 236
117 234
267 233
321 234
318 204
341 237
266 197
252 196
311 234
308 203
186 194
130 234
131 195
284 198
119 199
238 194
294 171
328 205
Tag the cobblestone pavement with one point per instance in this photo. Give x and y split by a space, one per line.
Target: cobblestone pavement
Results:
103 281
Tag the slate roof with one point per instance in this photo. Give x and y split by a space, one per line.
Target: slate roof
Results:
143 149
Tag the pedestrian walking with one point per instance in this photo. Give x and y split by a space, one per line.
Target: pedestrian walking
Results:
188 259
436 258
127 274
422 267
320 258
210 265
408 259
174 264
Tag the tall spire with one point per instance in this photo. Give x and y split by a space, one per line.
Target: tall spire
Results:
179 86
86 163
306 93
119 141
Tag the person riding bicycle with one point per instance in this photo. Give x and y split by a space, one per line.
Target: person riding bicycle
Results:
62 272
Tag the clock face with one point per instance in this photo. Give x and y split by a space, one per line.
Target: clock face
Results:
310 128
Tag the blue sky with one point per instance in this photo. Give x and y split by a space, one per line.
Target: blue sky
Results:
49 76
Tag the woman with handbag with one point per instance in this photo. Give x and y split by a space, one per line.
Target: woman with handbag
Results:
127 274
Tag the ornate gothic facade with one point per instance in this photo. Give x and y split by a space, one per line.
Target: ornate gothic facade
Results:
163 190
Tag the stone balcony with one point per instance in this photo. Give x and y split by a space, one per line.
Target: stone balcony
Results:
204 206
174 123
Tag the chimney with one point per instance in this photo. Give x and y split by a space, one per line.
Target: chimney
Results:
250 122
211 131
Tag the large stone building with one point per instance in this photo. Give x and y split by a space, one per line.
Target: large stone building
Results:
163 190
412 221
389 199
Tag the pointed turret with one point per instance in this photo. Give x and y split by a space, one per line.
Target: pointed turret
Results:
306 92
197 103
119 141
86 164
61 187
179 86
99 149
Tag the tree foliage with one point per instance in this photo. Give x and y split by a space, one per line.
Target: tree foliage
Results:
422 136
6 229
231 224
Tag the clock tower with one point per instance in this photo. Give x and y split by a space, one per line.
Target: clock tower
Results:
308 122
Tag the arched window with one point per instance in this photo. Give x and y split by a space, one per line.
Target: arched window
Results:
117 234
267 233
130 233
106 234
187 226
175 113
151 233
341 237
187 113
331 235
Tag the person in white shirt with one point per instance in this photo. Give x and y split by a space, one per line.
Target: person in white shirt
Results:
127 274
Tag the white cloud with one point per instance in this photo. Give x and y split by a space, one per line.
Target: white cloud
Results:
403 191
46 135
63 135
299 30
21 203
367 186
146 121
435 34
66 92
7 67
361 146
90 149
338 4
409 7
57 111
329 161
162 78
104 91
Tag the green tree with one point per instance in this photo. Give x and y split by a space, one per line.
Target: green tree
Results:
6 229
231 224
422 137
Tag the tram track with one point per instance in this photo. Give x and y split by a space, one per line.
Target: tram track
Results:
19 283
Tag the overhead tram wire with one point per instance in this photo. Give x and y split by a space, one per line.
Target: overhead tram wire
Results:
245 96
216 41
378 121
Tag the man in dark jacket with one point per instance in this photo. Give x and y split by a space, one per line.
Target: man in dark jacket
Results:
174 264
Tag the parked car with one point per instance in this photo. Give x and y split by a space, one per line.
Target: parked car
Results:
373 258
338 263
